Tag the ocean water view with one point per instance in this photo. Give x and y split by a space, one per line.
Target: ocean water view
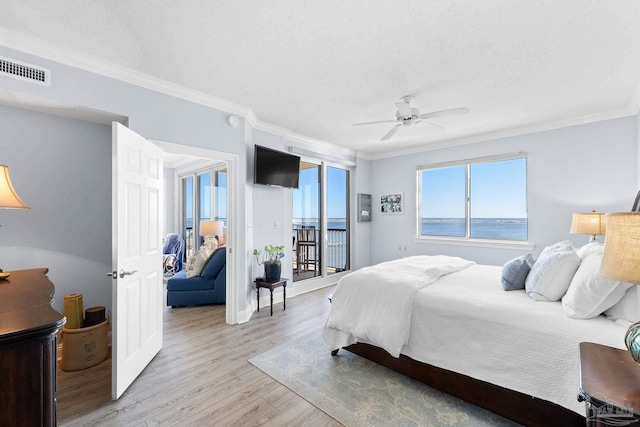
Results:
481 228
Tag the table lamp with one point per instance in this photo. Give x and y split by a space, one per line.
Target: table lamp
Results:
621 261
212 231
592 223
9 199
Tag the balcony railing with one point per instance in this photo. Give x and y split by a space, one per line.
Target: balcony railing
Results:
306 256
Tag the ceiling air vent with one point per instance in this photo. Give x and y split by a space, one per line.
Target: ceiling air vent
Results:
23 71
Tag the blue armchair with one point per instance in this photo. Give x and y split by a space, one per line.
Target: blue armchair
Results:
208 288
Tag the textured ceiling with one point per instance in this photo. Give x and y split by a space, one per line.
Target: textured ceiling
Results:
317 67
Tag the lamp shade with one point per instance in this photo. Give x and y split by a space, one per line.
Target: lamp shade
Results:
9 199
593 223
621 258
211 228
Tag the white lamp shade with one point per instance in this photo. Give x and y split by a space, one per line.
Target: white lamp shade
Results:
211 228
9 199
592 223
621 259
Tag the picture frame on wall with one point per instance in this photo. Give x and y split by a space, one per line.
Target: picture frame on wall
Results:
392 204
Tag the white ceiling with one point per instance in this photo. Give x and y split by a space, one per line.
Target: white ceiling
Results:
316 67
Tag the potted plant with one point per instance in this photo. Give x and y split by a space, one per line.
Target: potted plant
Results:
271 260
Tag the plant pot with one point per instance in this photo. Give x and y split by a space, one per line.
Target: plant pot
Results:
272 271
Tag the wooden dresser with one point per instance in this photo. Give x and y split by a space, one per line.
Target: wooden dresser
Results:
28 327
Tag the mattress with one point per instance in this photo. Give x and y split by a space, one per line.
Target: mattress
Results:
465 322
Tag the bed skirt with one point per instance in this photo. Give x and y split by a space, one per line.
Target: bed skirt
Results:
516 406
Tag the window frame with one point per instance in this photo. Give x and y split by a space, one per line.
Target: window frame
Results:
467 240
195 173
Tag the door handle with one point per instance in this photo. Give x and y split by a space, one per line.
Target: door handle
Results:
115 274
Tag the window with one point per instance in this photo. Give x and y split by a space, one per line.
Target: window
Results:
220 205
479 199
203 191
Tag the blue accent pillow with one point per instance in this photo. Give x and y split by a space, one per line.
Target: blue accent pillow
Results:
514 272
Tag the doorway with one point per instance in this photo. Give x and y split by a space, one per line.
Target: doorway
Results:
180 155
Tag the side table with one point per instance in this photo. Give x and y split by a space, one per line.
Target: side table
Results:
609 386
271 285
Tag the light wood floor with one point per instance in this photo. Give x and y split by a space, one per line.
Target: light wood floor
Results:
202 376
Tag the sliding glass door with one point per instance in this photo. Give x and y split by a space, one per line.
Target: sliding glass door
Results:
337 220
307 222
320 221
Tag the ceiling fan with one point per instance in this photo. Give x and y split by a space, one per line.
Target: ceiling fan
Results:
406 115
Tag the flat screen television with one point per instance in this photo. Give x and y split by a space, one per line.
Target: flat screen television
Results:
272 167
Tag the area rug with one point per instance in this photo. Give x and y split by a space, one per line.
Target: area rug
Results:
358 392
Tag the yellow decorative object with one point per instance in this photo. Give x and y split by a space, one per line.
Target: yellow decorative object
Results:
73 311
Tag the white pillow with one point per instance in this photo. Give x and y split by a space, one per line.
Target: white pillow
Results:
563 246
551 275
628 308
196 262
591 293
590 248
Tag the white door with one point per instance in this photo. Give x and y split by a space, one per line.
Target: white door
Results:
137 291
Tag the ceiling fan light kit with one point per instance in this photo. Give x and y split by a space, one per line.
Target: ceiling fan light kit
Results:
407 115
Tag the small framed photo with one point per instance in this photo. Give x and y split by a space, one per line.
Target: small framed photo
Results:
392 204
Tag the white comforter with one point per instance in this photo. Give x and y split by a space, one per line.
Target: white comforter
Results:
466 323
374 304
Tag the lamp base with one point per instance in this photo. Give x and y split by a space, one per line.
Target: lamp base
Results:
632 341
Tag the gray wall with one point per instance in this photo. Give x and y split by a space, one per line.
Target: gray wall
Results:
580 168
573 169
61 168
152 114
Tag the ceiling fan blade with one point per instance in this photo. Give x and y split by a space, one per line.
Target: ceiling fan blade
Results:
443 113
373 123
404 108
428 123
391 132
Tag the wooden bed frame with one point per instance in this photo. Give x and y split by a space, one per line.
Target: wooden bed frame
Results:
516 406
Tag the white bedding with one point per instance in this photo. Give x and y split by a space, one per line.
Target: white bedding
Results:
466 323
374 304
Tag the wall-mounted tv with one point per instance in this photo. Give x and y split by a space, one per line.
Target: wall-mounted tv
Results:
272 167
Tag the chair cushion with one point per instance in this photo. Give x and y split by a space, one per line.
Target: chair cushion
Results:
180 282
214 263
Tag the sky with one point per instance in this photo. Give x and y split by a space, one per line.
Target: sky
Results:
498 190
305 198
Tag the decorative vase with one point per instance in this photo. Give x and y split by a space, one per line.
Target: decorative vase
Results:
272 270
632 340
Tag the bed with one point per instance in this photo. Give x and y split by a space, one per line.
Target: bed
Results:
503 351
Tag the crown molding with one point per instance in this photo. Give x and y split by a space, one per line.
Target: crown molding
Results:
42 48
506 133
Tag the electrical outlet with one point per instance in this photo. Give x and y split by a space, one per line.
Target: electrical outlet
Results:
399 247
276 224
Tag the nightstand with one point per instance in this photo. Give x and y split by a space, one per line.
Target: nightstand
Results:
609 386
